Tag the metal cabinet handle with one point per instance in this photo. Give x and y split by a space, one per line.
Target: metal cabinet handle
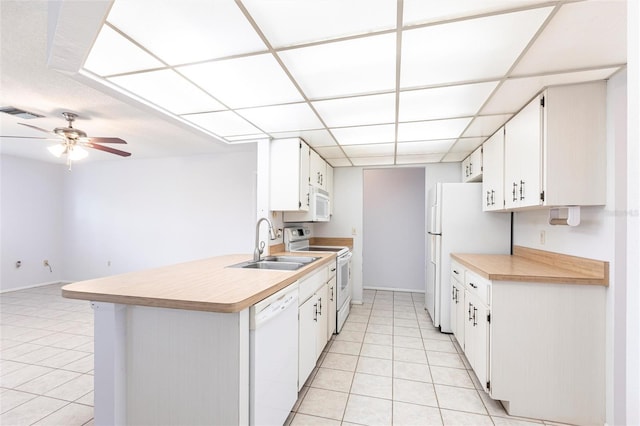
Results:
470 307
488 198
493 200
473 285
457 298
331 294
522 195
470 169
315 312
515 186
456 272
475 322
320 306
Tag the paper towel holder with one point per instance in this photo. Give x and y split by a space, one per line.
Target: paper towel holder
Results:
569 216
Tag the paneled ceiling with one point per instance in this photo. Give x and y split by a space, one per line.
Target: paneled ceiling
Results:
364 82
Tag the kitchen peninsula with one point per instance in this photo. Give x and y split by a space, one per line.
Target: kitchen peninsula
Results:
172 343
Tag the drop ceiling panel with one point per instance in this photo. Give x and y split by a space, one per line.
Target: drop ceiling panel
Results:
330 152
515 93
372 161
580 35
178 96
432 130
364 134
244 82
286 23
369 150
467 145
114 54
225 123
425 147
418 159
339 162
442 102
357 66
486 125
357 111
314 138
186 31
421 11
282 118
454 157
467 50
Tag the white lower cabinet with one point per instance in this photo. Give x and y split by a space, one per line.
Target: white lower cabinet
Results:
332 307
537 347
313 321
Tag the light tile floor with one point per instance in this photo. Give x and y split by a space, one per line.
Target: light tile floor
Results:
388 366
46 359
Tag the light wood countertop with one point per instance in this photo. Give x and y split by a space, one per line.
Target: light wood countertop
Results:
201 285
531 265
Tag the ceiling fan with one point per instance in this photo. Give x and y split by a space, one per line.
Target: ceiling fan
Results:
73 140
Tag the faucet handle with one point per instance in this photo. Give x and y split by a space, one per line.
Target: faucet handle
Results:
262 244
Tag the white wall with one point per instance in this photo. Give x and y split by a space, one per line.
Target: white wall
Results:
599 236
30 222
394 217
347 210
144 213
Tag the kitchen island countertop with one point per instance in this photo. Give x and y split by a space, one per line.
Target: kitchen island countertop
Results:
200 285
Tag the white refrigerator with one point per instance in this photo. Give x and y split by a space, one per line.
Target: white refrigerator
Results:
457 224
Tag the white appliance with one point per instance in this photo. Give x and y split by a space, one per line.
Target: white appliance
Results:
273 370
297 239
457 224
319 209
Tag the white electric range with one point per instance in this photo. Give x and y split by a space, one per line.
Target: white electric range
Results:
297 239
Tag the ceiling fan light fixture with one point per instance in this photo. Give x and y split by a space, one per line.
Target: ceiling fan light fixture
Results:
77 153
57 150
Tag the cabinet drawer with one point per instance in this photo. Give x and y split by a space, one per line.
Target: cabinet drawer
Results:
457 271
479 286
331 270
310 284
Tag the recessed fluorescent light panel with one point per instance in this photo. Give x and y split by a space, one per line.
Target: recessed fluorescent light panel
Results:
360 84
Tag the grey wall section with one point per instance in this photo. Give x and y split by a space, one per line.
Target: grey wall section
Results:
393 228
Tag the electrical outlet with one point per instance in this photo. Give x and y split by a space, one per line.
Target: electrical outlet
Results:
354 231
543 237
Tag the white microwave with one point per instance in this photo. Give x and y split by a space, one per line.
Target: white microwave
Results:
319 208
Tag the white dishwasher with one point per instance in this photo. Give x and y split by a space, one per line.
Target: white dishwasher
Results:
274 357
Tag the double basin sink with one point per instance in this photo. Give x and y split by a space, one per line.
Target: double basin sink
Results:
279 263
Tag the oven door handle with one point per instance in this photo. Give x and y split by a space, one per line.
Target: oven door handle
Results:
345 257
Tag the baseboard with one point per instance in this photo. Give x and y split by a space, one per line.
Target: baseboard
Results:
9 290
400 290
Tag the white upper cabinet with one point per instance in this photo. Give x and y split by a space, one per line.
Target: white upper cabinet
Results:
522 168
329 188
555 150
493 172
289 175
317 171
472 166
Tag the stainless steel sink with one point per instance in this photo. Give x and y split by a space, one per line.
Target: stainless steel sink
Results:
266 264
286 258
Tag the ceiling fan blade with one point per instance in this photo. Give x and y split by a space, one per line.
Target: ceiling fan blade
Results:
106 140
35 127
29 137
106 149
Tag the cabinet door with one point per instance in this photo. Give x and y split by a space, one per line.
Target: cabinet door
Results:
289 175
477 336
329 187
475 166
493 172
318 170
457 311
332 308
523 157
307 326
323 321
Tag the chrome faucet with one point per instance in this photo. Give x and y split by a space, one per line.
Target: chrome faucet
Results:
257 252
